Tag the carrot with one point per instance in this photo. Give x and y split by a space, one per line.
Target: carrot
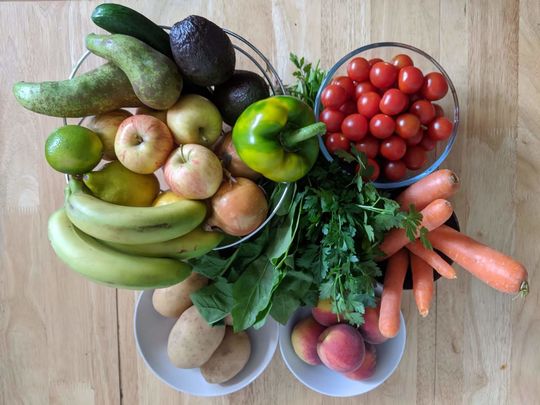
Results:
433 259
433 216
391 295
494 268
440 184
422 279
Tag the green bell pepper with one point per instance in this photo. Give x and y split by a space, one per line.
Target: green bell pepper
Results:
277 137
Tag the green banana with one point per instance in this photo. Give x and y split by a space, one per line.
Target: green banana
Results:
130 225
194 244
104 265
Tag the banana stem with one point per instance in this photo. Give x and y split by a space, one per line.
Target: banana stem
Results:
290 139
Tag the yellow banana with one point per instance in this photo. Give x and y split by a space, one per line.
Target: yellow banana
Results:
130 225
104 265
194 244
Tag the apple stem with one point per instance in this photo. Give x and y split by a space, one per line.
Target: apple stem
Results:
291 139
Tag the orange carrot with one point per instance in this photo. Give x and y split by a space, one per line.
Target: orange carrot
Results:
492 267
440 184
433 259
391 295
422 281
433 216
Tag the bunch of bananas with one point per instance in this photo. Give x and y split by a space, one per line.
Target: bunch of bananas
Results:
129 247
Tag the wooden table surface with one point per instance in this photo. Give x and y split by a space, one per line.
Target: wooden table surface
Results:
64 340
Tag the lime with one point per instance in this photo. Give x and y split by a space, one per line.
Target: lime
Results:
73 149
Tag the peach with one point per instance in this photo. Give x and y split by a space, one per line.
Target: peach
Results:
370 329
323 313
367 368
341 348
304 338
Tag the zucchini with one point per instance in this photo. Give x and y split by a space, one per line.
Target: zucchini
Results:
118 19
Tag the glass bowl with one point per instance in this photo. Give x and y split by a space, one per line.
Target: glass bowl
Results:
449 103
247 57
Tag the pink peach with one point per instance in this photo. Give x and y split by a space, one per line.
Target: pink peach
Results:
370 329
341 348
367 368
323 313
304 338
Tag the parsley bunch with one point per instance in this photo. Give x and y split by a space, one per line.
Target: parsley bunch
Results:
308 77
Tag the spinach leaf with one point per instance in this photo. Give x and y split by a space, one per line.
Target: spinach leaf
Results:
212 265
214 301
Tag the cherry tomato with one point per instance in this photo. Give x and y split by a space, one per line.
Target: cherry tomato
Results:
393 102
383 75
369 145
368 104
332 119
439 112
428 143
358 69
407 125
402 60
440 129
415 157
364 87
349 107
410 79
333 96
376 169
415 140
393 148
346 83
435 86
395 170
354 127
381 126
374 60
335 142
424 110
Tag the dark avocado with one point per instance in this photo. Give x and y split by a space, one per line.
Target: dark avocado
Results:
190 88
237 93
202 50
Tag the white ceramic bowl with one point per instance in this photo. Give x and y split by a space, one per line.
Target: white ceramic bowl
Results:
325 381
151 335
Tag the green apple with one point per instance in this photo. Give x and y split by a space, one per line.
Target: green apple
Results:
194 120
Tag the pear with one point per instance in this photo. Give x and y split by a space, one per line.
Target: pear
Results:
118 185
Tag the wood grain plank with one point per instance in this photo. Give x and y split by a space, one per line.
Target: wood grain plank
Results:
58 340
525 326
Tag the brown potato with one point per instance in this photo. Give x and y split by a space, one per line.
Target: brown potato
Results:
174 300
229 359
192 341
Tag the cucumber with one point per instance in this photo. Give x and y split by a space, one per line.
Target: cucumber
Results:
101 90
118 19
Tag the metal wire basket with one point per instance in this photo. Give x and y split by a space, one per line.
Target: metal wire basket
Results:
265 68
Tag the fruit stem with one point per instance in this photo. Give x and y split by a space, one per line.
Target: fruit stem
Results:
290 139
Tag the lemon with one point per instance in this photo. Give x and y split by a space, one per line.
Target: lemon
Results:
167 197
118 185
73 149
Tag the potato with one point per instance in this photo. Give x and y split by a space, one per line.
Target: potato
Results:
229 359
192 341
174 300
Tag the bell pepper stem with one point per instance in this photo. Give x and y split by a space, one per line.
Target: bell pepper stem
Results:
292 138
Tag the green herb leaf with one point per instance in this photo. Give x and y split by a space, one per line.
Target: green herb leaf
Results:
214 301
212 265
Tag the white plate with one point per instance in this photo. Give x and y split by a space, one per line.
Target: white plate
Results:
325 381
152 332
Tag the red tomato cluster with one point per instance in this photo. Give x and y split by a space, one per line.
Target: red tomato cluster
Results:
385 110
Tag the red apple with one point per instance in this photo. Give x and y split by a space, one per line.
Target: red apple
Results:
106 126
193 171
367 368
143 143
159 114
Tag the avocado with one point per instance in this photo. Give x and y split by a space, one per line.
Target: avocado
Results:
202 50
239 92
